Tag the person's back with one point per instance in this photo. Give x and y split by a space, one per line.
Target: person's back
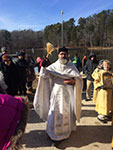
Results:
30 73
11 115
84 60
75 60
78 63
22 66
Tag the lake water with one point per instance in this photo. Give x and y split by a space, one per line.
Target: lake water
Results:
100 54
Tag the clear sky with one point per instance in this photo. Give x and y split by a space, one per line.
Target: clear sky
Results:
37 14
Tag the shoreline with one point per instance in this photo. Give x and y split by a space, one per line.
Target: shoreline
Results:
100 48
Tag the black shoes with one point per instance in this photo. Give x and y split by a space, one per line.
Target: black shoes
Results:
87 99
102 120
108 118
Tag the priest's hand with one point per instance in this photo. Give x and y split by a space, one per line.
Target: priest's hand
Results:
69 81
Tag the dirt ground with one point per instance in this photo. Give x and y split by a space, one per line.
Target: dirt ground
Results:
91 134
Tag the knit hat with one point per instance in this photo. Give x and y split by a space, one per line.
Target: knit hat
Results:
63 49
3 49
20 53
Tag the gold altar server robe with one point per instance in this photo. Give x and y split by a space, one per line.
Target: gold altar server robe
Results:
103 97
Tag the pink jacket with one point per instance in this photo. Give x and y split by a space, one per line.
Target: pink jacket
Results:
10 114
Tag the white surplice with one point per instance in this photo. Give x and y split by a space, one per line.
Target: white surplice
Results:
56 102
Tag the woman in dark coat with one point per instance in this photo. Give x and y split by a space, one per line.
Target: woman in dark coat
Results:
10 73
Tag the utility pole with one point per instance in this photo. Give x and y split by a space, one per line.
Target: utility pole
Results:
62 36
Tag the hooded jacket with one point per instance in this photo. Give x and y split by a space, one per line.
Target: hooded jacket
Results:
90 66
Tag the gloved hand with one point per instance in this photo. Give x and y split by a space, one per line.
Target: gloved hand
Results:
45 63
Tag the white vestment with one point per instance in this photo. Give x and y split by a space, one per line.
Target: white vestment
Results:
56 102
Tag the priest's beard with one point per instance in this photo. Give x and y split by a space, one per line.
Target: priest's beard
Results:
63 61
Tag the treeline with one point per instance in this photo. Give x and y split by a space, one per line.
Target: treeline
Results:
96 30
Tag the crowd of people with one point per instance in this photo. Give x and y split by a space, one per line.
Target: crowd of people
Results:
18 75
58 96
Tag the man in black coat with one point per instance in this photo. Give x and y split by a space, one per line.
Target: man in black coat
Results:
90 66
22 66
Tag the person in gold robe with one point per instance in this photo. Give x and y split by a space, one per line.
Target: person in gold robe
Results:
103 89
99 67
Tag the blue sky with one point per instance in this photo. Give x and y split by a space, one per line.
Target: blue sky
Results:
37 14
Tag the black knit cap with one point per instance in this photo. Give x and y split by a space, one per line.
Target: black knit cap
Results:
20 53
63 49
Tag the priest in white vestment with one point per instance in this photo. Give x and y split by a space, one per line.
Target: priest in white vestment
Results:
58 96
